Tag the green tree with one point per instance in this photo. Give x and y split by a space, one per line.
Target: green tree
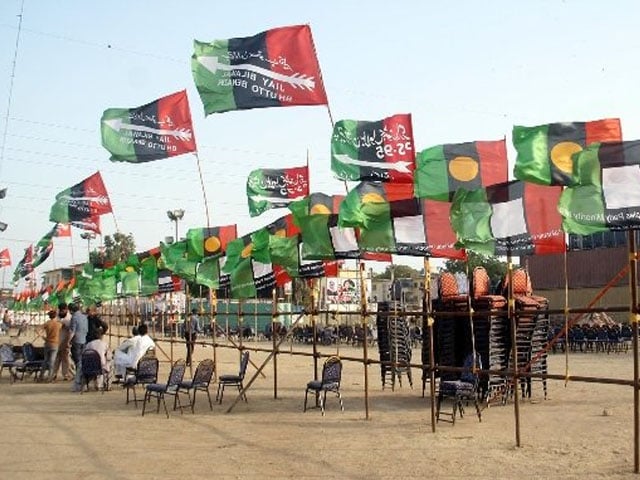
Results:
399 271
496 269
117 248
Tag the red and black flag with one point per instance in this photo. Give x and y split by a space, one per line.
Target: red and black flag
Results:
512 218
443 169
157 130
374 151
81 202
276 188
275 68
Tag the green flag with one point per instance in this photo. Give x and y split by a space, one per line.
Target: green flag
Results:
545 152
208 273
607 194
149 276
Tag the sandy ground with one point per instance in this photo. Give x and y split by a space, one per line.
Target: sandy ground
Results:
50 432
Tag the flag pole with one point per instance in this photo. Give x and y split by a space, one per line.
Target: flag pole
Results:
204 192
315 52
633 286
115 221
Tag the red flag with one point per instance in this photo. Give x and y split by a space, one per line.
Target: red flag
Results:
62 230
91 223
5 258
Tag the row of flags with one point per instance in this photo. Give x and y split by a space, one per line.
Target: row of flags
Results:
576 177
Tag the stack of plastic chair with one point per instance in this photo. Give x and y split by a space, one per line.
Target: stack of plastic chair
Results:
529 309
383 341
452 332
491 333
394 345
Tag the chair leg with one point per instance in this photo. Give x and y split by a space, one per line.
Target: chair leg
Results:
340 399
164 404
323 402
478 410
193 400
220 392
144 404
177 399
209 397
306 394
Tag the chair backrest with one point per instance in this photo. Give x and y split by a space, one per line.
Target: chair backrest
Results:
447 285
204 373
147 369
468 374
6 353
91 364
481 282
332 371
28 352
244 361
176 375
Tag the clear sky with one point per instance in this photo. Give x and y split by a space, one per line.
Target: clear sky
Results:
465 70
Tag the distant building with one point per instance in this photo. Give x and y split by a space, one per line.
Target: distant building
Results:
593 261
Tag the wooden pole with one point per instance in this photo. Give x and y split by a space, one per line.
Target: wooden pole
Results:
633 285
514 349
213 302
427 322
364 323
274 319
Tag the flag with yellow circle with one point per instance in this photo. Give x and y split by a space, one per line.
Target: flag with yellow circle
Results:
443 169
545 152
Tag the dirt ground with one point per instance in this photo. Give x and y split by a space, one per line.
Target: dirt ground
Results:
582 430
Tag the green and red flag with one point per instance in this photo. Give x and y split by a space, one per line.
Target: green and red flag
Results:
361 205
545 152
275 68
44 247
382 150
5 258
607 196
157 130
442 169
81 202
512 218
25 266
276 188
210 242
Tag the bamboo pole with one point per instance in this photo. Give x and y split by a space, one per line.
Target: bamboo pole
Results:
427 322
514 348
274 318
264 363
213 302
633 285
364 323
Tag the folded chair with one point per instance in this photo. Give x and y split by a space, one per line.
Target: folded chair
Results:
330 382
145 372
200 381
9 360
92 370
234 380
460 391
30 363
159 390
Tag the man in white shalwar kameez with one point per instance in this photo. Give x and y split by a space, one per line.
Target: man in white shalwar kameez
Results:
132 350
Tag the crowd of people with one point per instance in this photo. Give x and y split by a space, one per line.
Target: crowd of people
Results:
70 331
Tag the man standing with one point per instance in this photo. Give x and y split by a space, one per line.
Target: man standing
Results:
62 359
191 330
51 330
79 327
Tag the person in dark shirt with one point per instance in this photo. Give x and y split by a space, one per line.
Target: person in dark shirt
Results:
97 326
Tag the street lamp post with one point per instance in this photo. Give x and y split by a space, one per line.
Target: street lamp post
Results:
88 236
175 216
